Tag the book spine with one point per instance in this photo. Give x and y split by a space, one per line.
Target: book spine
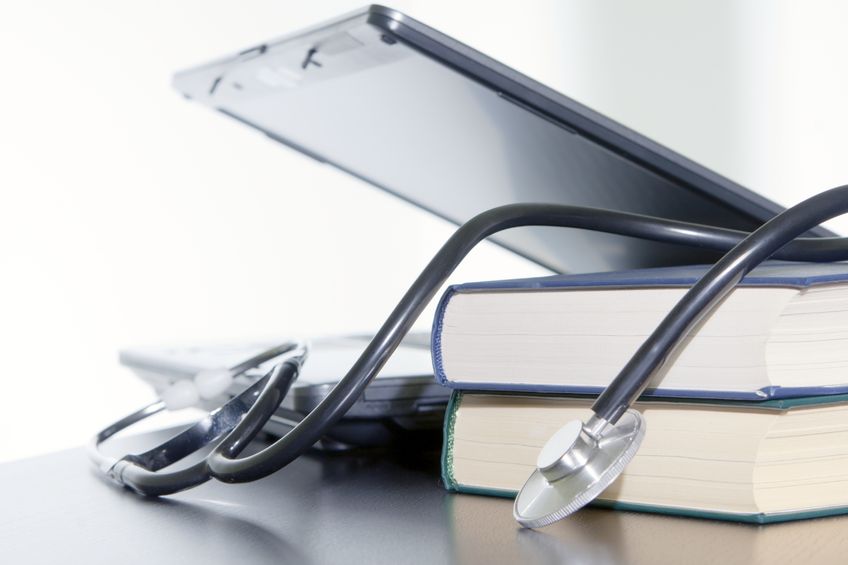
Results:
447 441
436 337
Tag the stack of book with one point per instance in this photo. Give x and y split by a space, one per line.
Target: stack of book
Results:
748 422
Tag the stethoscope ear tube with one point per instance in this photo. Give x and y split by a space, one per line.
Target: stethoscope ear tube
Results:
223 462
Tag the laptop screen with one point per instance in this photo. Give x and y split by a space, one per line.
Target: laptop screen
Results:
353 95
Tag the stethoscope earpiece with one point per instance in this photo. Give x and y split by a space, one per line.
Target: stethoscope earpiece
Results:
575 465
206 385
212 383
179 394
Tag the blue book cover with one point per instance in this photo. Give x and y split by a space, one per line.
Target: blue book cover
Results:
770 274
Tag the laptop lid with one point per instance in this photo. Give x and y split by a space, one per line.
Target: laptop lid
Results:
413 112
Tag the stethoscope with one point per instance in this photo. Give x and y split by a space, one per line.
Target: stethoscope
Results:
577 463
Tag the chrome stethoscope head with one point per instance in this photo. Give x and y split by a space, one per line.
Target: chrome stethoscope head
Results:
575 465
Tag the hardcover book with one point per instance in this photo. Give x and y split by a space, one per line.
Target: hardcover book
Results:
782 333
755 462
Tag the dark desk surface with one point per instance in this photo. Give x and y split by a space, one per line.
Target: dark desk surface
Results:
365 508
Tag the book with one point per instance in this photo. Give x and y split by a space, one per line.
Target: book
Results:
758 462
783 332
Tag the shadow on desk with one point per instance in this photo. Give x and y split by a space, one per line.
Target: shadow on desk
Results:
608 536
365 507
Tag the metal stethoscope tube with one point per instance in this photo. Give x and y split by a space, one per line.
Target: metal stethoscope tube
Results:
143 473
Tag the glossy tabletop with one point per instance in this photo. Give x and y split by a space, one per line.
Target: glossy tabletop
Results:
368 507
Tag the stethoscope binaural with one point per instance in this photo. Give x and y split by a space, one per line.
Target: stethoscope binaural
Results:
580 460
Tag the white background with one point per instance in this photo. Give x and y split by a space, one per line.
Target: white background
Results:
129 216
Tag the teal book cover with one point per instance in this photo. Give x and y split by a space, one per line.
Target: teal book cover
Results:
453 485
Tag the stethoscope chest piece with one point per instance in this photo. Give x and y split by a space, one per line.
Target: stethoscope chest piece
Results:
575 466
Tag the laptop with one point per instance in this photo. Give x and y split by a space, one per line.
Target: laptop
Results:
418 114
403 400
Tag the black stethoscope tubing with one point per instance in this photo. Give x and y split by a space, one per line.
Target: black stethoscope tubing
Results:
143 472
776 238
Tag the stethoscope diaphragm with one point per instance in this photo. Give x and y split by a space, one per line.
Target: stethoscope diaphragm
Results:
574 467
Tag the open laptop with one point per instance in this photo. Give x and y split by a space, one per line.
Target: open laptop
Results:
403 399
413 112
